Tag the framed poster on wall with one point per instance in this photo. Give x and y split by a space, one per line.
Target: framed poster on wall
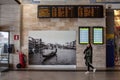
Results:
98 36
84 35
52 48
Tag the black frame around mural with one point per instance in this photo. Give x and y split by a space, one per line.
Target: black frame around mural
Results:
81 34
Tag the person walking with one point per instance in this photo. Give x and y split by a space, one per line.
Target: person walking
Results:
88 58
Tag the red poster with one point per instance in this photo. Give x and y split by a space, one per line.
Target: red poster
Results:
16 37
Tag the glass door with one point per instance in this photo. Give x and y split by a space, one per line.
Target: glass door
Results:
4 55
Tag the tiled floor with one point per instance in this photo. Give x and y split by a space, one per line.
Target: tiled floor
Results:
59 75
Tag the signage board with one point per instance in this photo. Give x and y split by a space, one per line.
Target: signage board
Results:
70 11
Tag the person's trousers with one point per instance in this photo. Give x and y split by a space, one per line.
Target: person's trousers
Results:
89 66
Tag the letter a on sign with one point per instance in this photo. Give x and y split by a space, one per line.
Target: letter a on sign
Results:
16 37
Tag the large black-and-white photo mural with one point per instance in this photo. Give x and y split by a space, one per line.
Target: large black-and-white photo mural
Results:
52 47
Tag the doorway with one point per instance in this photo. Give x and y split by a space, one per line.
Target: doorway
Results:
4 54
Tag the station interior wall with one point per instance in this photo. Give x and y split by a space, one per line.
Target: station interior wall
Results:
20 19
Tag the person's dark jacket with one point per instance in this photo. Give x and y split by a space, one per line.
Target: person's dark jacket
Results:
88 55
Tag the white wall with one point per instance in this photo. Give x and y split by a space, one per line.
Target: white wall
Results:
10 21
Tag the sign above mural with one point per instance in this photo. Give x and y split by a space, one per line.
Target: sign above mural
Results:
70 11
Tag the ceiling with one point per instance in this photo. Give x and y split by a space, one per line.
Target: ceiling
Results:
8 2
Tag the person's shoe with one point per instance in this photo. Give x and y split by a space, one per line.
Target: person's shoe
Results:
94 70
87 72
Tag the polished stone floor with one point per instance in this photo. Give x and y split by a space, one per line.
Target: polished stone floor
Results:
59 75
